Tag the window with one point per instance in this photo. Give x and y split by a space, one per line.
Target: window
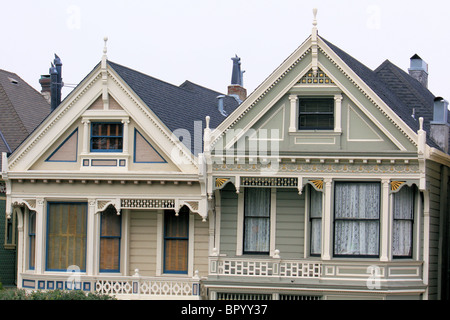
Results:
316 114
66 235
315 217
106 137
32 239
176 241
257 220
403 223
110 234
357 219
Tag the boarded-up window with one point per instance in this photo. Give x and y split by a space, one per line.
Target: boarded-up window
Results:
110 240
176 239
66 236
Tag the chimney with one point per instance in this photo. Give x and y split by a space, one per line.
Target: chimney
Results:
45 87
236 88
55 82
439 127
419 70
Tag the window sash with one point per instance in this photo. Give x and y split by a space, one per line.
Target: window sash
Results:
315 217
66 236
110 238
32 240
257 220
403 223
106 137
357 219
316 114
176 241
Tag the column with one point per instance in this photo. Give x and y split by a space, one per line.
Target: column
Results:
91 239
40 234
337 113
327 220
384 221
125 135
85 136
293 114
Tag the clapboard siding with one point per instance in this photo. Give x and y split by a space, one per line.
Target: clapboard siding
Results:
228 221
201 245
290 225
142 246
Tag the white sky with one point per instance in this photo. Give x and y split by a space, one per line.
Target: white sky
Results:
178 40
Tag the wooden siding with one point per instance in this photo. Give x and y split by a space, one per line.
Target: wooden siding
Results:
142 246
290 223
434 179
228 223
201 245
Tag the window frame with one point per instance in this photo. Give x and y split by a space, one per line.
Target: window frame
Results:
184 211
413 215
268 218
92 136
311 218
356 219
48 229
110 211
329 99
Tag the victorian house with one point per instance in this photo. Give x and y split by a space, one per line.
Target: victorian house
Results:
331 181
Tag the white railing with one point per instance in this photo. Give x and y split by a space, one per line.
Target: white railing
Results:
264 267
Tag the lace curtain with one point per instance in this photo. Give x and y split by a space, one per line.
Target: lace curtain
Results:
357 213
256 220
315 212
403 222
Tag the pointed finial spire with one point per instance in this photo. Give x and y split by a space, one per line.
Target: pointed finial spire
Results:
105 49
315 17
314 47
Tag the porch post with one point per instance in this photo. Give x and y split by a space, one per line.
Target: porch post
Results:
384 218
40 234
90 248
20 245
326 228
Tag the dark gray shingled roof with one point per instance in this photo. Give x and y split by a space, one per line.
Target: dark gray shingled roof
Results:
22 109
178 107
397 89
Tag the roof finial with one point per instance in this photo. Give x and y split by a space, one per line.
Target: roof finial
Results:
315 15
105 49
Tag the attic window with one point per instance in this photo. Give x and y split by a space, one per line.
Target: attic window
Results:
316 114
13 81
106 137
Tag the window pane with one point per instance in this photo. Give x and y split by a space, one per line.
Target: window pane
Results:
357 200
257 219
176 241
403 222
315 212
316 236
66 236
404 203
316 114
110 235
107 136
356 238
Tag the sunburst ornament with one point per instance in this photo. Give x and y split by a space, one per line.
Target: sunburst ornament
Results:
396 184
317 183
221 181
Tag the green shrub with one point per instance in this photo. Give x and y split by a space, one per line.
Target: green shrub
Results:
21 294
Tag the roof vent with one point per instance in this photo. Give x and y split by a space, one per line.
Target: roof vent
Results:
13 81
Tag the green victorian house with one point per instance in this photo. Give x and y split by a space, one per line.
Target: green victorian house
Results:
331 181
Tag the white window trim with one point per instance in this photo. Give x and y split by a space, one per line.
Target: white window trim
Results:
273 220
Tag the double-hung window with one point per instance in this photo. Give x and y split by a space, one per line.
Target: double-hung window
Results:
316 113
315 217
357 219
402 234
257 220
66 235
106 137
176 241
110 235
32 239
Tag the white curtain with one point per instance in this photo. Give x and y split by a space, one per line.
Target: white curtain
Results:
357 212
315 212
403 222
257 220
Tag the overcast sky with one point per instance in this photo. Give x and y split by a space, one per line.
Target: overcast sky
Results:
178 40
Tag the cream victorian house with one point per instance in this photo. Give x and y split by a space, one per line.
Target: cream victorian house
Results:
107 197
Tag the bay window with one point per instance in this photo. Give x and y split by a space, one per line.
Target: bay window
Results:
357 219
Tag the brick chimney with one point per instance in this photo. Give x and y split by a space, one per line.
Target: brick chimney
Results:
236 88
45 86
419 70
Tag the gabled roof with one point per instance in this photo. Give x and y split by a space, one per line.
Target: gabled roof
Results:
178 107
22 109
401 92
